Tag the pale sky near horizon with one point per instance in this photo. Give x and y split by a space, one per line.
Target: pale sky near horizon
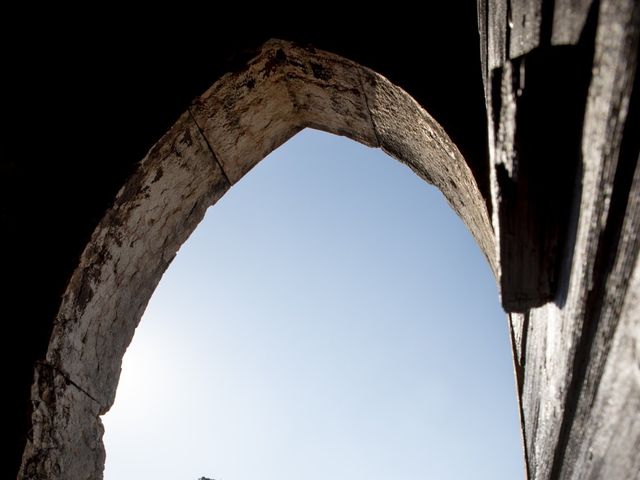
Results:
331 318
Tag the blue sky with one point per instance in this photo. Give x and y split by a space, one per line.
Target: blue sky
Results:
331 317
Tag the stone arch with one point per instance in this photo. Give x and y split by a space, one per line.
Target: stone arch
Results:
224 133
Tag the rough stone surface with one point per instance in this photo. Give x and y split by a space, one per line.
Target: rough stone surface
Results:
61 409
151 218
126 257
246 115
327 94
408 133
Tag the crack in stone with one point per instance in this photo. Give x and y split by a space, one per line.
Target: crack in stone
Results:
213 154
366 103
70 381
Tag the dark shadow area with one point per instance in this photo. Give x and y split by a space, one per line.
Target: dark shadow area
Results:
551 86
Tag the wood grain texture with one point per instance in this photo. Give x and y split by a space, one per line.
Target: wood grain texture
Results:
575 355
569 17
525 23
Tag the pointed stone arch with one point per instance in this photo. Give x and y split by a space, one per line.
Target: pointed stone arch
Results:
225 132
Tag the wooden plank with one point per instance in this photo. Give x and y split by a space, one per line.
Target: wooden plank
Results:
592 434
569 18
606 431
484 42
573 356
524 25
497 33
